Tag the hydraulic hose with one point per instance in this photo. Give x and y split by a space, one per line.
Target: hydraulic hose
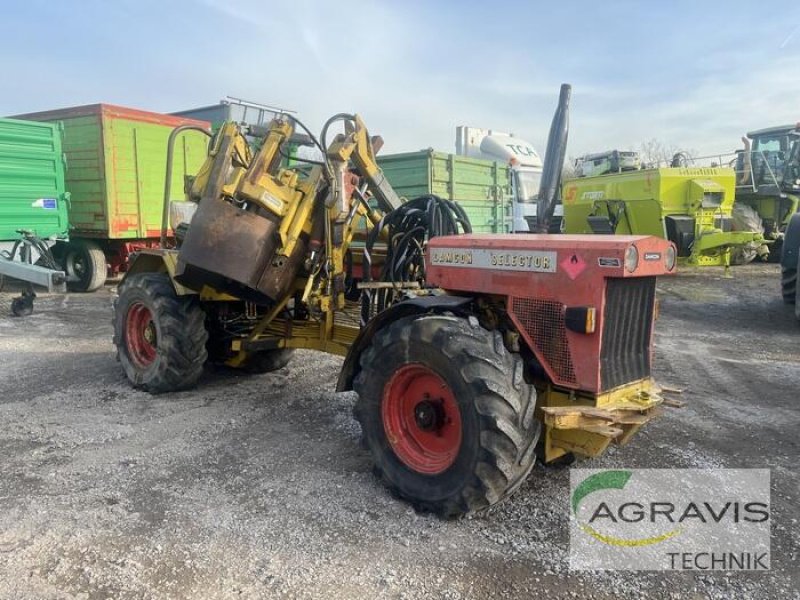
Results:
408 229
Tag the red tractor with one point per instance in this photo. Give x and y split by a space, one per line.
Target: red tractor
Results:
464 349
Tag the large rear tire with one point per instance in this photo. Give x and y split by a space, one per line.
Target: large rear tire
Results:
160 336
446 413
85 265
790 260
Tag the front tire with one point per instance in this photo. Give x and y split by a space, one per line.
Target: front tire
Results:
446 413
160 336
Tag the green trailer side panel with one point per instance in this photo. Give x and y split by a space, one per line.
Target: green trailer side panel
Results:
136 163
481 187
32 190
116 165
85 173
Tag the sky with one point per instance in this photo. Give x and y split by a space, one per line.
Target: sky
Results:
690 74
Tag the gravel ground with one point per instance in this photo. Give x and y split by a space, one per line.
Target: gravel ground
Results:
252 487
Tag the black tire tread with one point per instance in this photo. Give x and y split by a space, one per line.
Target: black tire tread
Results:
98 271
789 285
504 401
182 337
790 263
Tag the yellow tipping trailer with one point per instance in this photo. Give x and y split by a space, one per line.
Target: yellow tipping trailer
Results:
691 207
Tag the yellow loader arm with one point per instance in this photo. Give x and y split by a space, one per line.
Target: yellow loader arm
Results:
294 225
356 146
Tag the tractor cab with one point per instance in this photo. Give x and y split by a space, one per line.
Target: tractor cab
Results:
771 164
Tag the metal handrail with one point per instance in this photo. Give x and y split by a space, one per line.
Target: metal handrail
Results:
752 185
728 158
168 179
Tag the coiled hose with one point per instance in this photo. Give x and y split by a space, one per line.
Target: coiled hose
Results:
408 229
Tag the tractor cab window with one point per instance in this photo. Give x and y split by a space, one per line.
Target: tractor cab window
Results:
769 156
528 185
770 144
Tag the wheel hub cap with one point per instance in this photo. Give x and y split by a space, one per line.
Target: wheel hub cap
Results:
428 415
140 335
422 419
76 264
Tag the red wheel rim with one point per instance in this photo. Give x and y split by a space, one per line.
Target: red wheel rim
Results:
421 419
140 335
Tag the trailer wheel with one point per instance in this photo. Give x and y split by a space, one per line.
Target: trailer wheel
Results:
85 266
267 361
160 336
446 413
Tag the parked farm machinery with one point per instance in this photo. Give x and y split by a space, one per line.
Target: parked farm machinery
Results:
463 348
768 180
691 207
33 209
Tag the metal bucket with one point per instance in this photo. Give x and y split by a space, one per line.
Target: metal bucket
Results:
235 251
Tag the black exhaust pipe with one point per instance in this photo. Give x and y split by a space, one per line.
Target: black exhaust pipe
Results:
553 161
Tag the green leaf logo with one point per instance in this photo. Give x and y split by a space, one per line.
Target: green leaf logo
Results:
614 480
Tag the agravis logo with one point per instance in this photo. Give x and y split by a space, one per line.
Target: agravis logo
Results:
655 519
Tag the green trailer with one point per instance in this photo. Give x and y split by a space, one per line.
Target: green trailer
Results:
481 187
692 207
115 171
33 204
32 190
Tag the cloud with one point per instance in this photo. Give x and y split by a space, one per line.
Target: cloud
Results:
415 70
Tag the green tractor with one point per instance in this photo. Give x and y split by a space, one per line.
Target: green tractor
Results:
768 181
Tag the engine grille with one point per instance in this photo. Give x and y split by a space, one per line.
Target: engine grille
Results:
543 321
627 326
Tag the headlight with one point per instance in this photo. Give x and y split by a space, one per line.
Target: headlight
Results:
631 258
669 258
